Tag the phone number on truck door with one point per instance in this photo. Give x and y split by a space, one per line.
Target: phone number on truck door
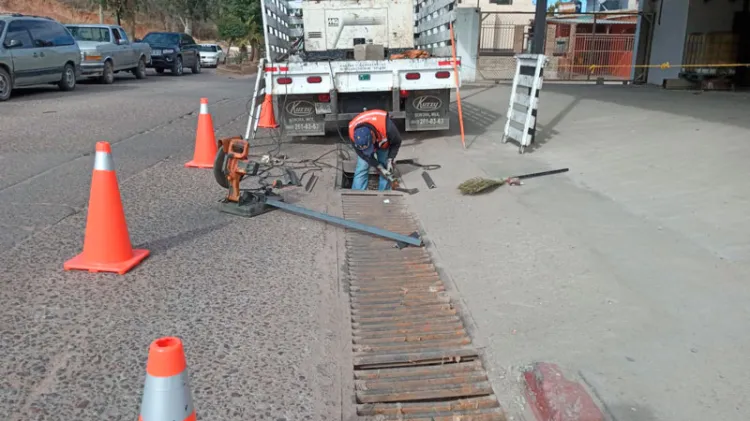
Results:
430 121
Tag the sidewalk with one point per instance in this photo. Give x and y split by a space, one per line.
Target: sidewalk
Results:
629 270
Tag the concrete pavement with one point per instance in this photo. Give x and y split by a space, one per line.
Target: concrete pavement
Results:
628 271
258 315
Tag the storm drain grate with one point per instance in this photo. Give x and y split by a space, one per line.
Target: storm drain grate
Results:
413 359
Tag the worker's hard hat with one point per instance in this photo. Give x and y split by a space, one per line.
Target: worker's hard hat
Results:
363 140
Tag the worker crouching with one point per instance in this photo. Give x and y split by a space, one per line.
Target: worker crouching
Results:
376 142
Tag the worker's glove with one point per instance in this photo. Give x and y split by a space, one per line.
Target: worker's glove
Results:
389 165
385 173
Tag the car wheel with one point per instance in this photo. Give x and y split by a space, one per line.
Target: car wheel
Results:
108 74
177 66
68 81
196 67
6 85
159 70
140 71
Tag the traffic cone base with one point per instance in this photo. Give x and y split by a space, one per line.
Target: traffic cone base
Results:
267 119
80 262
106 245
205 140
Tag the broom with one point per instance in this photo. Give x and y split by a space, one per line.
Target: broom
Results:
479 185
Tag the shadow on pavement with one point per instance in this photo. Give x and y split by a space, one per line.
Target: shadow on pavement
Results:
164 244
716 106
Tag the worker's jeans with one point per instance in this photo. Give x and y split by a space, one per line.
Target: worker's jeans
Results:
362 171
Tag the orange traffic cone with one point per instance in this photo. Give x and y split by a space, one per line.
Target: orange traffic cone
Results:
106 246
166 394
205 141
267 119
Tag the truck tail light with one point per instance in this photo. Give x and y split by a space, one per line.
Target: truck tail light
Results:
443 75
324 98
404 93
413 76
314 79
284 80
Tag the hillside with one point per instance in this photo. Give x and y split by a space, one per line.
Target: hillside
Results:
83 11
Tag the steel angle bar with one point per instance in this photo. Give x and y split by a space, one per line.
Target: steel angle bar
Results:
345 223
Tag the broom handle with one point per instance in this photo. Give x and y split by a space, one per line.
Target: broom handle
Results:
540 174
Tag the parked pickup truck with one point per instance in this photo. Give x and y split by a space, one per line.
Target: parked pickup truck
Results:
106 50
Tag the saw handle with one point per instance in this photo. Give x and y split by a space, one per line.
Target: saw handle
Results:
238 148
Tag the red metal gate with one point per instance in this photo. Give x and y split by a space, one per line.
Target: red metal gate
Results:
585 46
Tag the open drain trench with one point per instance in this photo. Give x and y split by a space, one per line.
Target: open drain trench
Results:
413 359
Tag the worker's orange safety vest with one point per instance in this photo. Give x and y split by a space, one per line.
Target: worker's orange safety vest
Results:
376 120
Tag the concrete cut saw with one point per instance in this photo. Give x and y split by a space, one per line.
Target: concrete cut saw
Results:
232 165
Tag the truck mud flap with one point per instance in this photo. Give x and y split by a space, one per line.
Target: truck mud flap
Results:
428 110
301 116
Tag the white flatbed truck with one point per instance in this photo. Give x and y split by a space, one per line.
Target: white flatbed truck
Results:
311 95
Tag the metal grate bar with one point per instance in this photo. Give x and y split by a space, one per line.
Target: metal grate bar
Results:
413 357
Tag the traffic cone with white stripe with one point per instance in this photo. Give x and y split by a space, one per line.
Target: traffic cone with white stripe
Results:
106 246
205 140
166 394
267 118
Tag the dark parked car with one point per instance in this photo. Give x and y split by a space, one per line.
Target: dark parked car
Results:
173 51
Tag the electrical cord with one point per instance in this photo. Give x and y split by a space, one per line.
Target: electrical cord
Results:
277 161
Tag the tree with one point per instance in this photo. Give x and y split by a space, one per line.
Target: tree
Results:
188 11
249 12
231 29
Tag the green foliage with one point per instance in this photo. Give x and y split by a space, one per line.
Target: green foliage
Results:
190 9
246 10
231 28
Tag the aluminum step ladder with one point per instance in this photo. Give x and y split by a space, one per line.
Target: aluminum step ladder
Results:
256 102
520 125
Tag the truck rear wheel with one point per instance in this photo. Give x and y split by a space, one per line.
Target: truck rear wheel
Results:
6 85
140 71
108 74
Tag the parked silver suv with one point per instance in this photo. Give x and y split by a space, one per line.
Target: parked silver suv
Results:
36 50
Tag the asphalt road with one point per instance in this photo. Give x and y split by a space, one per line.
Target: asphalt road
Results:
257 314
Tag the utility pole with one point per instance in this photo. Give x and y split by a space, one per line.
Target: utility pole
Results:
540 27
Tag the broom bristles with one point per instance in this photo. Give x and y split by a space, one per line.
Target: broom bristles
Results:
477 185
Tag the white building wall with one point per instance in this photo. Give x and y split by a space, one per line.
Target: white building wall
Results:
668 41
521 11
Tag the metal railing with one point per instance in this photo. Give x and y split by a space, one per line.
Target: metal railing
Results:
598 55
499 39
574 52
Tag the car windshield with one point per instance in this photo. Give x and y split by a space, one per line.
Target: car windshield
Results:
88 33
161 38
2 26
207 48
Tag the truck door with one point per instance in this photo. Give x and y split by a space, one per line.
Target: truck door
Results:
129 55
118 50
189 50
48 37
26 60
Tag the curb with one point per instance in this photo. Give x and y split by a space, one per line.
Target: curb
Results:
552 397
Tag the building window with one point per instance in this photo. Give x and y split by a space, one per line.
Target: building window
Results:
502 2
